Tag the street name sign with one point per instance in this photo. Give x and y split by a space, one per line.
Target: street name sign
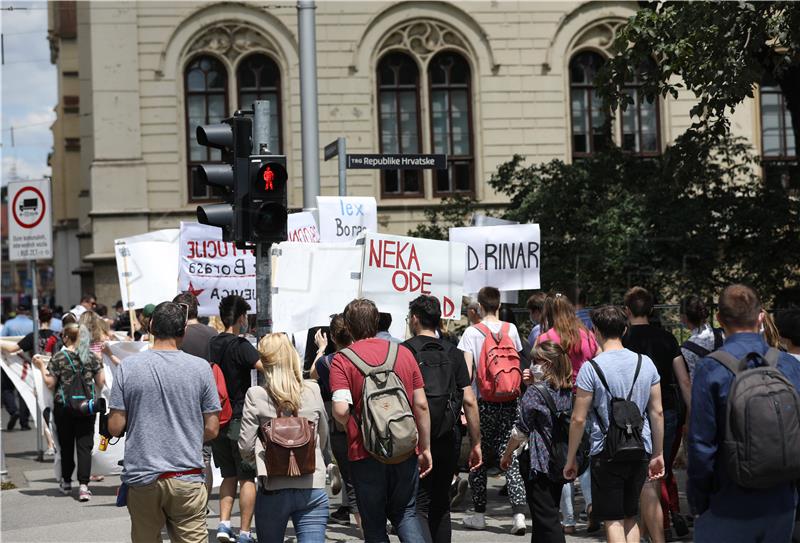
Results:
396 161
30 223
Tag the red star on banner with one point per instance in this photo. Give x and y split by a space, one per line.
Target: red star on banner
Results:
194 291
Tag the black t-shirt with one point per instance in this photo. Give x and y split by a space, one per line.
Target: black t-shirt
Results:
417 343
196 340
662 348
235 357
26 343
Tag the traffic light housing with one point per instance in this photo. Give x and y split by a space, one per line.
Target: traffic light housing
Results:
233 136
267 202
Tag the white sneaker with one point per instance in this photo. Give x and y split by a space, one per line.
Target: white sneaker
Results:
518 527
476 521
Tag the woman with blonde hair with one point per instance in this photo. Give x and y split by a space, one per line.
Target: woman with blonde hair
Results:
535 425
282 496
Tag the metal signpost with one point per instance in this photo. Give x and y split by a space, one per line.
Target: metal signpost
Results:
337 148
30 237
263 257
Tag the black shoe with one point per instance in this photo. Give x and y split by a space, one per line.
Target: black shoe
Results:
12 422
341 516
680 525
24 426
503 491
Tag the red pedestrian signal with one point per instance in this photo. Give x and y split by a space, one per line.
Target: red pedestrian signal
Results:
269 175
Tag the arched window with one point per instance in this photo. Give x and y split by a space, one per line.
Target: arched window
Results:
778 146
451 121
640 120
259 78
206 88
590 132
398 98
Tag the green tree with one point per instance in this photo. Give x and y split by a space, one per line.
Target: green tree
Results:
452 212
692 220
717 50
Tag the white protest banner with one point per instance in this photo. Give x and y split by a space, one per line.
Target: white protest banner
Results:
147 266
397 269
302 227
312 281
504 257
212 269
26 379
344 218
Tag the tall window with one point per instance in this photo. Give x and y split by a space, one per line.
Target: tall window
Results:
778 146
206 102
398 95
451 120
590 131
640 119
259 78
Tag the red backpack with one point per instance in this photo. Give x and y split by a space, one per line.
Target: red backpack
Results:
226 414
499 375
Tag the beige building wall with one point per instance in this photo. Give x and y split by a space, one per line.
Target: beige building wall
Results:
132 126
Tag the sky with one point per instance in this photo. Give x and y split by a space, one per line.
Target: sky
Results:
29 90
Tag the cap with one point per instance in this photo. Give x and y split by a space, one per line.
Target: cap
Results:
148 310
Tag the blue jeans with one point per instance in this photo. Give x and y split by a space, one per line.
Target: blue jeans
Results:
711 528
307 507
385 491
566 506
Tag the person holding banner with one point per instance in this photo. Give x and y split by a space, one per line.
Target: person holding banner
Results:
74 420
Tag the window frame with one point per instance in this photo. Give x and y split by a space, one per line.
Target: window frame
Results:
278 92
784 164
470 159
584 87
636 85
191 164
418 94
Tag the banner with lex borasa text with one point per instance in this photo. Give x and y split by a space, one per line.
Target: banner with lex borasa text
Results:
147 266
212 269
397 269
345 218
302 227
505 257
312 281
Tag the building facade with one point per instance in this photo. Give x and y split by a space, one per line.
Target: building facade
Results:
479 81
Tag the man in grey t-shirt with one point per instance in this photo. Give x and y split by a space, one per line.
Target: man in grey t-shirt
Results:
616 486
167 402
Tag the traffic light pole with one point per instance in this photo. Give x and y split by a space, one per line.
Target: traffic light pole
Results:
263 258
309 116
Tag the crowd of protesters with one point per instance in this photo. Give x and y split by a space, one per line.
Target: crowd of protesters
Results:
600 400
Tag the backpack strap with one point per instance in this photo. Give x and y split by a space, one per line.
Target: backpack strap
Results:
693 347
548 399
600 375
366 369
635 376
772 356
727 360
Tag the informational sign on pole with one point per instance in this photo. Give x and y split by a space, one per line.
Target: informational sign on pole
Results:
30 224
398 269
342 219
302 227
212 269
504 257
396 161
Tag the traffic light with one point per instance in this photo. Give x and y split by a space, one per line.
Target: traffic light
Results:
267 199
233 137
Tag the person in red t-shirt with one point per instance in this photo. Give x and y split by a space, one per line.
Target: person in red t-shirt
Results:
383 491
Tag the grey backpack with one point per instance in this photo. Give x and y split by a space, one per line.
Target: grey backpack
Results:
387 423
762 430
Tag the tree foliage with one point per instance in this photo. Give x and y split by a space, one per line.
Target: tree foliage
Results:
452 212
690 221
717 50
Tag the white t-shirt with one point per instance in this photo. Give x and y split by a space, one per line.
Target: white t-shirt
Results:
472 342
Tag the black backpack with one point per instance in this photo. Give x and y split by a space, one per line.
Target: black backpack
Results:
700 351
762 430
624 441
436 367
559 446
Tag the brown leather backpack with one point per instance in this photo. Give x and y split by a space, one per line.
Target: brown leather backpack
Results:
289 445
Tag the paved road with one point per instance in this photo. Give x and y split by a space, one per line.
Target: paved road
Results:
35 511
